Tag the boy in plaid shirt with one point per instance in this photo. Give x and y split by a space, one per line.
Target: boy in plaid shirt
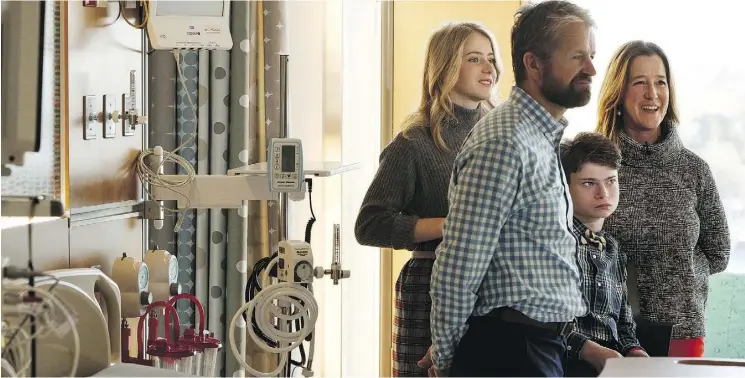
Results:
591 162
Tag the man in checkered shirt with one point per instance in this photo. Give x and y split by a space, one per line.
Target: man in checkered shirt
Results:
591 162
505 284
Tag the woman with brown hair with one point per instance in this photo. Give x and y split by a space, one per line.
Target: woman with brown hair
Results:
406 204
670 221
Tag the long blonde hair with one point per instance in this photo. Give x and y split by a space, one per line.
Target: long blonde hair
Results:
610 101
442 65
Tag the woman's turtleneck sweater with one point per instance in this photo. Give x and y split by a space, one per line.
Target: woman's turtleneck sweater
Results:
411 183
671 225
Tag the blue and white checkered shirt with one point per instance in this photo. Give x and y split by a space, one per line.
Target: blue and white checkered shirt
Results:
507 239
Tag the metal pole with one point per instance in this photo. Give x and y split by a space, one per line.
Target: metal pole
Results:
284 131
145 106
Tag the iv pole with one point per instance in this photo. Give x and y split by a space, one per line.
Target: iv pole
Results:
283 133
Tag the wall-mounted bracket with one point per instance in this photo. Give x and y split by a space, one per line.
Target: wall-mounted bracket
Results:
153 211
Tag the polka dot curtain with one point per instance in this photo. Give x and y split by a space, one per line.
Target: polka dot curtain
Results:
234 110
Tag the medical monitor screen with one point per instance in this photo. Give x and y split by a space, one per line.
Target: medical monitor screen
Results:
288 158
213 8
22 72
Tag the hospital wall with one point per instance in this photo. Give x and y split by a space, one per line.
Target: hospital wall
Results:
99 189
98 184
102 194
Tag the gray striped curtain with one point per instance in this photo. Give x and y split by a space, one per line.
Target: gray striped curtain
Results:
236 110
259 35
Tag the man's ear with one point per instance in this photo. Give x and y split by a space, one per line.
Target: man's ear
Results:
533 66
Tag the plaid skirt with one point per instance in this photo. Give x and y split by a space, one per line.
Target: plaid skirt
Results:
411 333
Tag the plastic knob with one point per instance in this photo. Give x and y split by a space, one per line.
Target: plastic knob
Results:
146 298
344 274
174 289
318 272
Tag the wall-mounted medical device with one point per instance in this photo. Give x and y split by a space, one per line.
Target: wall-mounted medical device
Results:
22 66
133 278
294 261
201 24
97 322
163 269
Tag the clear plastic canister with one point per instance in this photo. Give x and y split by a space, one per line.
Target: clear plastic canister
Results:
206 348
196 364
172 357
210 357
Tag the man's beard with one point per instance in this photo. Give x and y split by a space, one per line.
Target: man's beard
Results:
565 95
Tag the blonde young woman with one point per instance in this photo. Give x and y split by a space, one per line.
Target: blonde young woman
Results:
406 204
670 221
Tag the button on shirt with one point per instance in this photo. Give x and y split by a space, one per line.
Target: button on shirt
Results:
507 239
609 321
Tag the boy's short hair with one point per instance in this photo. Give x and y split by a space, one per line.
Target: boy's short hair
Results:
587 147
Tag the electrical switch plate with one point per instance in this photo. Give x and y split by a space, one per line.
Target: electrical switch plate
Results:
90 118
110 110
128 129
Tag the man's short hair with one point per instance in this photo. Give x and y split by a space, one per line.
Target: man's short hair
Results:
586 148
537 29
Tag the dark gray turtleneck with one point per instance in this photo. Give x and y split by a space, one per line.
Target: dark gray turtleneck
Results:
411 183
671 224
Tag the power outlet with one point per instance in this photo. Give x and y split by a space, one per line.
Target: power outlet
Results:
90 118
110 116
128 128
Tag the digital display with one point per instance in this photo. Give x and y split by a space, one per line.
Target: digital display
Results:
288 158
213 8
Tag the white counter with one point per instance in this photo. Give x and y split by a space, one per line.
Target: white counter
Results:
674 367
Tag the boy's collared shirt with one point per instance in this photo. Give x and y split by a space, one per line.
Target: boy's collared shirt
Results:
609 321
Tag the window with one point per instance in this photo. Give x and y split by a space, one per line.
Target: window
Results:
700 42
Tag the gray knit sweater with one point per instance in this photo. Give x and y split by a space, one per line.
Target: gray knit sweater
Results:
671 224
411 183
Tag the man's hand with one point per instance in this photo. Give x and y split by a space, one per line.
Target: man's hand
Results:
596 354
638 352
426 361
426 364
